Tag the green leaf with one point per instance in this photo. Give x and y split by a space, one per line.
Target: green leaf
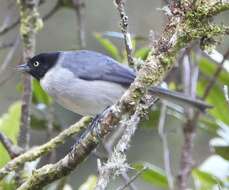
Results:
152 174
216 98
221 143
89 184
222 151
9 125
152 120
216 166
142 53
108 46
208 68
7 185
40 95
205 180
208 124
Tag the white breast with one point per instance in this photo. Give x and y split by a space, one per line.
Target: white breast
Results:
80 96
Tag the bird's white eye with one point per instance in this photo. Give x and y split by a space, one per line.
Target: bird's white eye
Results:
36 64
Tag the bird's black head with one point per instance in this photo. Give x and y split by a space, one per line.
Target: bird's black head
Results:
40 64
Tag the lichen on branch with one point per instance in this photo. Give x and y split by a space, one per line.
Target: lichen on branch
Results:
30 24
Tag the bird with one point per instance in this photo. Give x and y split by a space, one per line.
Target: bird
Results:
86 82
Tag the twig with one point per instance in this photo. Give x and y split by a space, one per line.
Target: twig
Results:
50 120
36 152
80 8
52 11
132 179
30 24
12 149
120 4
126 179
9 75
215 76
186 163
116 164
10 55
9 26
166 153
6 45
189 133
109 145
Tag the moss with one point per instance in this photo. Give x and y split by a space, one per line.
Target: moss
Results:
31 21
166 60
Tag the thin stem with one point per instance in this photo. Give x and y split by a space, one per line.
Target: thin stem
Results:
10 55
109 145
132 179
12 149
125 30
166 153
215 76
28 12
80 15
186 163
189 132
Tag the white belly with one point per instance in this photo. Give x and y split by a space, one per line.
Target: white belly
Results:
80 96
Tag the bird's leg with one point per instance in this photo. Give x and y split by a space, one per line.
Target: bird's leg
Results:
96 122
92 127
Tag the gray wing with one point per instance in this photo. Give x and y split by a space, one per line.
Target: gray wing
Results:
90 65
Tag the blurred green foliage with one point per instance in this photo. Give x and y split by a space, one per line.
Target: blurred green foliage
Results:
39 95
152 174
89 184
9 125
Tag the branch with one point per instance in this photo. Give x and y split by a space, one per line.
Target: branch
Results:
10 55
176 36
190 72
8 27
116 164
30 25
5 28
166 153
132 179
6 45
110 142
37 152
189 133
120 4
52 11
12 149
79 8
216 75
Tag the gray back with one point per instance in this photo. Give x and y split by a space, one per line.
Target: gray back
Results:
90 65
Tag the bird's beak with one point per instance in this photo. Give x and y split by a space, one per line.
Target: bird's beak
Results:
23 67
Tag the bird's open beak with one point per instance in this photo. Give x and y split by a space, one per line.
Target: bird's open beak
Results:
23 67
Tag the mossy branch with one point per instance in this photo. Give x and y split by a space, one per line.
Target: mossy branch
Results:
37 152
30 23
178 33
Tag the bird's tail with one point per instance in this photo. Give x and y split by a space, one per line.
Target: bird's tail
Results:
179 98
